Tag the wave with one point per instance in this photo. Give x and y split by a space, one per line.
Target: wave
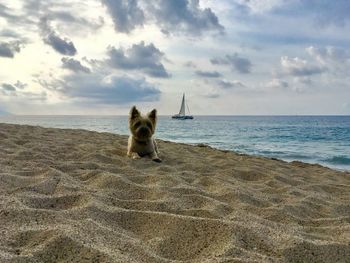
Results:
341 159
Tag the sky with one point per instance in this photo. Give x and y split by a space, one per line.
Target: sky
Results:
230 57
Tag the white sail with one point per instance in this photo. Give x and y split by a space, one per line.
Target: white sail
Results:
182 109
182 113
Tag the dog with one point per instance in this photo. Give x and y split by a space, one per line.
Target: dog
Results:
141 143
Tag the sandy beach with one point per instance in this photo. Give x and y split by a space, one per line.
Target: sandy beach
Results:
74 196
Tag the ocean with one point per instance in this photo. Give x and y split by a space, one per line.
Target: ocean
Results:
312 139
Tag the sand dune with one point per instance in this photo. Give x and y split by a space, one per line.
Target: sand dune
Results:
74 196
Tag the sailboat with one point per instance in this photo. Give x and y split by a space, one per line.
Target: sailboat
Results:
182 113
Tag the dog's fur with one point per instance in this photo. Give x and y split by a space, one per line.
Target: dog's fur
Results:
141 143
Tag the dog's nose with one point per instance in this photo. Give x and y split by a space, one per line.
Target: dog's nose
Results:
143 130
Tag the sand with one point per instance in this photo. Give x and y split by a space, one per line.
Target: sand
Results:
74 196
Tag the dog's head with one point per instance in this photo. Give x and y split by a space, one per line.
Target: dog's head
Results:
142 127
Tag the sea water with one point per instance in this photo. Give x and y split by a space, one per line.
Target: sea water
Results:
313 139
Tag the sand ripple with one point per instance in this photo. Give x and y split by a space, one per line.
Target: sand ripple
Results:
73 196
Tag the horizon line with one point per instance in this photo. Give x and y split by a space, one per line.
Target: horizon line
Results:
167 115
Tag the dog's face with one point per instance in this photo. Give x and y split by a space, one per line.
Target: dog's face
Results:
142 127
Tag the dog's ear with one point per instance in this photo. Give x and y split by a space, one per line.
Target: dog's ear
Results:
153 115
134 113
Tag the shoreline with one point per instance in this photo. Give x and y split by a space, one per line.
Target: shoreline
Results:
72 194
323 164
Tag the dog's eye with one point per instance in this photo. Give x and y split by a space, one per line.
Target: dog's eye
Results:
149 125
137 123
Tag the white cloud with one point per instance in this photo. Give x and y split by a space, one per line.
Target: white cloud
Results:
299 67
325 55
277 84
261 6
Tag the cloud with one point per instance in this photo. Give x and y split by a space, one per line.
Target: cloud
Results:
71 19
7 87
211 95
240 64
277 84
8 15
303 80
226 84
74 65
9 33
62 45
208 74
20 85
13 87
183 16
299 67
17 91
126 14
261 6
322 12
326 12
100 89
9 49
32 96
325 55
190 64
171 16
146 58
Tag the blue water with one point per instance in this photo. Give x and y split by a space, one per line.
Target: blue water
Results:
313 139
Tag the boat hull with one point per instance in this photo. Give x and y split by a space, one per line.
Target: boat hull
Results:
185 117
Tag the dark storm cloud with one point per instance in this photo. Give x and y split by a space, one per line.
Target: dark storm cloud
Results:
62 45
208 74
8 49
240 64
146 58
171 16
74 65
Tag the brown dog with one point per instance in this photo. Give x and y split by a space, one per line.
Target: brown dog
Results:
141 143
